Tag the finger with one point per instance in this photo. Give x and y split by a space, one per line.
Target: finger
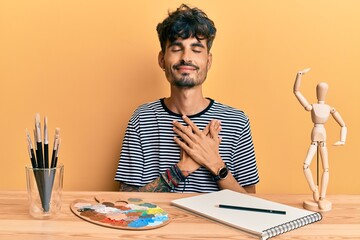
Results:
195 129
214 132
217 125
183 129
177 124
206 130
181 144
186 136
217 128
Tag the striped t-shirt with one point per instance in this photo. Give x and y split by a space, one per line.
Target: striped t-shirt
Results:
149 148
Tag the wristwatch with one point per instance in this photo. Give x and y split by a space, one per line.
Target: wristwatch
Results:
222 173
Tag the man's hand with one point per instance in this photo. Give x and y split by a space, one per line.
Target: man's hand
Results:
186 164
200 146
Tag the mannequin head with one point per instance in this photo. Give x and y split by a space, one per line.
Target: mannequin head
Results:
321 90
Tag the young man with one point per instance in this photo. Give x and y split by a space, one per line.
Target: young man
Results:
187 142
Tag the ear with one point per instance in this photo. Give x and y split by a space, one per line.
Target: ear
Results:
161 60
209 61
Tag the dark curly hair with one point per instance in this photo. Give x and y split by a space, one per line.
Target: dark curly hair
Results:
186 22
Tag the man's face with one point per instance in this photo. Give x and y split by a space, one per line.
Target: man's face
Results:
186 62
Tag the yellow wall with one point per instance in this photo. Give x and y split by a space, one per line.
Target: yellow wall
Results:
88 64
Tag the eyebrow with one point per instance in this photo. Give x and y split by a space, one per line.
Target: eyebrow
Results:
198 44
175 43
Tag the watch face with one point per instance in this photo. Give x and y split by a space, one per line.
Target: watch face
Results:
223 173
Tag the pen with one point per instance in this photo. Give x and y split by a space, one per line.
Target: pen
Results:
252 209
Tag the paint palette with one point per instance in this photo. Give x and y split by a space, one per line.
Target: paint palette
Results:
129 214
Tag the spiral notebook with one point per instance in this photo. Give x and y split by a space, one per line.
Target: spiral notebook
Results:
263 224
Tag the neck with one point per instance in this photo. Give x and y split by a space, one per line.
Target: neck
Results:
186 101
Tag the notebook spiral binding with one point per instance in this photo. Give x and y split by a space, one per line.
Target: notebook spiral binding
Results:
286 227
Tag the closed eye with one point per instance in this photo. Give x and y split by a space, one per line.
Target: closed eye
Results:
197 47
176 49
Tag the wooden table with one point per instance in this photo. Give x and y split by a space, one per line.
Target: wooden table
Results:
343 222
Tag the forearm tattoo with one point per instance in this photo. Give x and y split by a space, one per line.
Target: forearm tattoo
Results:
164 183
158 185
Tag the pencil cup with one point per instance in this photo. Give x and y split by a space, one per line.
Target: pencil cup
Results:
44 188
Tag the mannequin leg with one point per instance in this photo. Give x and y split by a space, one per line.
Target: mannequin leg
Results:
307 171
324 204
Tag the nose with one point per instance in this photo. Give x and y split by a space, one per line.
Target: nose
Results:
186 56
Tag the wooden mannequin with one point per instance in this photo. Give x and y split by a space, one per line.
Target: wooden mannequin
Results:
320 113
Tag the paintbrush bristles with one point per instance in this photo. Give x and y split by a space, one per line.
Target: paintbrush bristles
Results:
28 136
38 127
56 137
46 134
28 139
41 158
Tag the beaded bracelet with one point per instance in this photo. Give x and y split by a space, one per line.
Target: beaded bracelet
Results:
178 173
173 176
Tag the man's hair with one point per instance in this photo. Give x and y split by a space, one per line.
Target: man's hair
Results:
186 22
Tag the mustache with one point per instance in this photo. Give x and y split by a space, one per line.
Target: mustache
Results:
188 64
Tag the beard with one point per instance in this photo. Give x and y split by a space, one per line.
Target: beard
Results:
185 81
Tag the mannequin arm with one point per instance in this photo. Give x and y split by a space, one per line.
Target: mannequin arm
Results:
343 131
297 92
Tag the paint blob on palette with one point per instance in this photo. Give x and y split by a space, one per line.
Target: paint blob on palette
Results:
132 214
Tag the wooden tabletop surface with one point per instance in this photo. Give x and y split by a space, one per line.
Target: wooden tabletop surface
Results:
342 222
